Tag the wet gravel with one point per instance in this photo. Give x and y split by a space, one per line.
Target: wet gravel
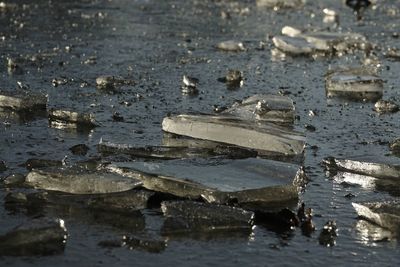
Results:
60 47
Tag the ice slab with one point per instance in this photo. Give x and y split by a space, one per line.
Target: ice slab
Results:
384 214
378 170
264 107
77 181
37 237
72 118
173 152
294 45
253 183
265 138
189 216
356 84
22 100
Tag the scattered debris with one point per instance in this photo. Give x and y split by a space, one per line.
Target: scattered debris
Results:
37 237
384 214
386 106
328 234
263 107
266 138
78 181
231 46
191 216
355 84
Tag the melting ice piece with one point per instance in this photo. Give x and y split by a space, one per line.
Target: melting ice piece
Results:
294 45
260 107
232 46
395 146
280 3
189 216
378 170
174 152
357 84
295 41
37 237
253 183
111 82
71 117
386 106
384 214
265 138
78 181
22 100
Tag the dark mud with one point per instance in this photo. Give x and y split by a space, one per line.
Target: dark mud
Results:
154 43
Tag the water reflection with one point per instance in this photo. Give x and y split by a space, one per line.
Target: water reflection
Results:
370 234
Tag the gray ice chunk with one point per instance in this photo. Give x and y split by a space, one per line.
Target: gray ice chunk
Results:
355 83
22 100
264 107
77 181
268 137
231 46
72 118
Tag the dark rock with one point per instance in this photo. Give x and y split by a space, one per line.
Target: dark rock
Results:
3 166
31 164
80 149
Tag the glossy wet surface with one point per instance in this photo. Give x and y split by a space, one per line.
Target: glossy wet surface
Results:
155 43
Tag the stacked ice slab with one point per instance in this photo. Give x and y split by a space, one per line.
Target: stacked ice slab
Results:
247 124
261 123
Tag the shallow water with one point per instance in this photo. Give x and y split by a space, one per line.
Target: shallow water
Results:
155 43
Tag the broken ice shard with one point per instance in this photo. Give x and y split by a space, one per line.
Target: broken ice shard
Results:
265 138
71 118
252 183
231 46
293 45
173 152
395 146
384 214
37 237
356 84
78 181
262 107
378 170
22 100
191 216
280 3
295 41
